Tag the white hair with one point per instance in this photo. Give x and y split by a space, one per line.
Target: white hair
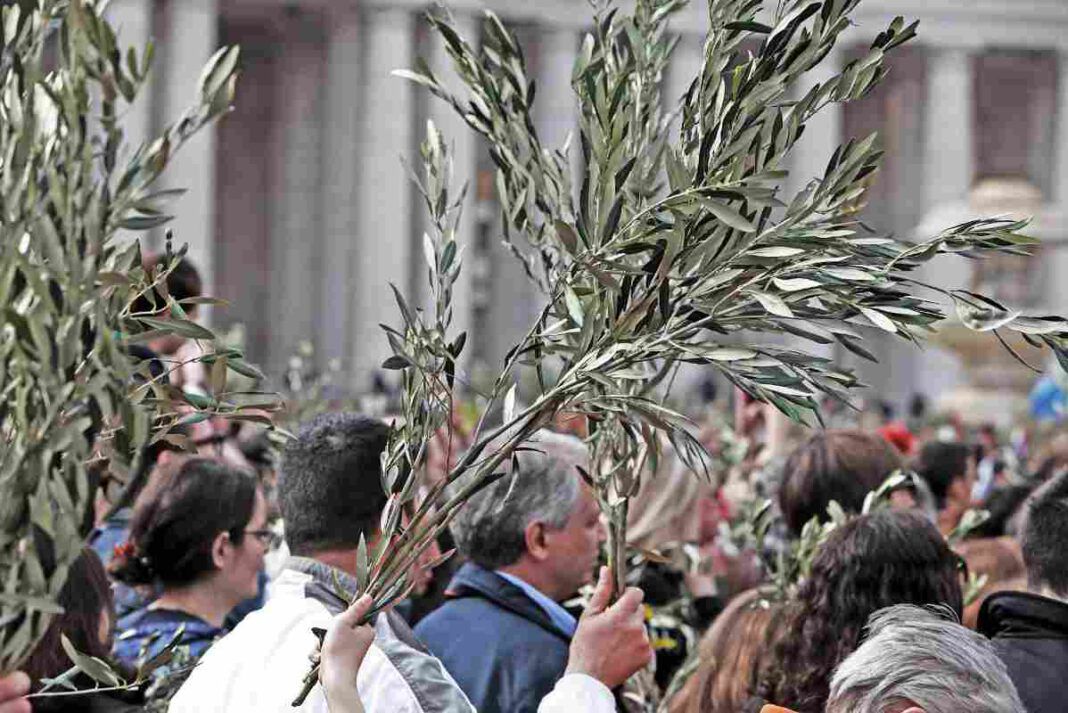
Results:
489 528
919 656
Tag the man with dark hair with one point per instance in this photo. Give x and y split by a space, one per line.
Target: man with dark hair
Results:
330 494
949 470
839 465
531 540
1030 629
329 489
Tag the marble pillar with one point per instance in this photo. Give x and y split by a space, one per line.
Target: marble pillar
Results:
950 144
949 153
1057 285
685 66
297 217
385 195
823 133
340 186
132 20
556 106
192 32
465 146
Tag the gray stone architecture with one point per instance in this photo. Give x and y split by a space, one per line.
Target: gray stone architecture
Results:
301 214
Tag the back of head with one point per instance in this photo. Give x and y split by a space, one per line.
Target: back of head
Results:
833 465
940 464
873 561
330 483
731 653
915 656
1044 537
666 507
185 506
183 282
489 529
85 598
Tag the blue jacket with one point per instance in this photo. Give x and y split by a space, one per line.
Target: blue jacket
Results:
499 645
152 629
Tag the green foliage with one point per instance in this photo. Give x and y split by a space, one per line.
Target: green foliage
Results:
73 403
675 251
672 251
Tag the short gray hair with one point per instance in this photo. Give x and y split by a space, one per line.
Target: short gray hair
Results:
918 655
489 528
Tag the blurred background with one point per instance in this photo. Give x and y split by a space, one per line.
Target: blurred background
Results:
300 212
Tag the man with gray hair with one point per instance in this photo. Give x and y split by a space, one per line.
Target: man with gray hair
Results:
531 540
916 660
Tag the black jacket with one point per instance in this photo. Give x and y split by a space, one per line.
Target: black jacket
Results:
498 644
1030 634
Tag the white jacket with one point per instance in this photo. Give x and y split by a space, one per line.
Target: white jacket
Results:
258 667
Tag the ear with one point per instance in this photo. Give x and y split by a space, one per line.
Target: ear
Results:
914 709
220 549
534 535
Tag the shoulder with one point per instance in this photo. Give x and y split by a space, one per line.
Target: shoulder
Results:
476 616
403 676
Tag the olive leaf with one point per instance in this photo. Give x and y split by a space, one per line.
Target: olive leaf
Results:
77 406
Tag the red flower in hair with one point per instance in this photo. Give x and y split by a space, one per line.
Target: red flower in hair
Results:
124 551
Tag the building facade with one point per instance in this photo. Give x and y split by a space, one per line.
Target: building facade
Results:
301 213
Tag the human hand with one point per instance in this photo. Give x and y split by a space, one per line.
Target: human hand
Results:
344 647
12 689
611 642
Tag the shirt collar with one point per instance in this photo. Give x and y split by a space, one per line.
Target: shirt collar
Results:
557 614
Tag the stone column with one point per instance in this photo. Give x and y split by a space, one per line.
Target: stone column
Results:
950 144
385 195
823 133
297 216
685 65
809 157
465 145
192 30
132 20
340 186
1057 296
949 153
513 300
556 106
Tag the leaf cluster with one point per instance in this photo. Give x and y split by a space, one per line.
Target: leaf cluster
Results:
74 404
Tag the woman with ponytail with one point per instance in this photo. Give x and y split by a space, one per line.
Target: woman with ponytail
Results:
198 536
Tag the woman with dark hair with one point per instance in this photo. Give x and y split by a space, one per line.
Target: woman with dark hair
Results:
199 536
87 621
839 465
872 562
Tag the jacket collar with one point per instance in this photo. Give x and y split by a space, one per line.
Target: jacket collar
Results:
1023 615
472 580
330 586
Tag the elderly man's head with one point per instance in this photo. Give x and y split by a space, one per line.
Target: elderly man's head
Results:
542 525
916 661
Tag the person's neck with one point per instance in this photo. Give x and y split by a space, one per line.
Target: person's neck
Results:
201 600
343 559
536 576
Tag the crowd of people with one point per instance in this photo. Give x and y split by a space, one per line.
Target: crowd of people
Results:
862 593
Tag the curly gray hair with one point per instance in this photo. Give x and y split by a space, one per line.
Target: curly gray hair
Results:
917 655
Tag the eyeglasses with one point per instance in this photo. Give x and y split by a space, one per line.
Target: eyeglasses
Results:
266 537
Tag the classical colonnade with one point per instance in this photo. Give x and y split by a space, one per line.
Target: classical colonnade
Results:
336 218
